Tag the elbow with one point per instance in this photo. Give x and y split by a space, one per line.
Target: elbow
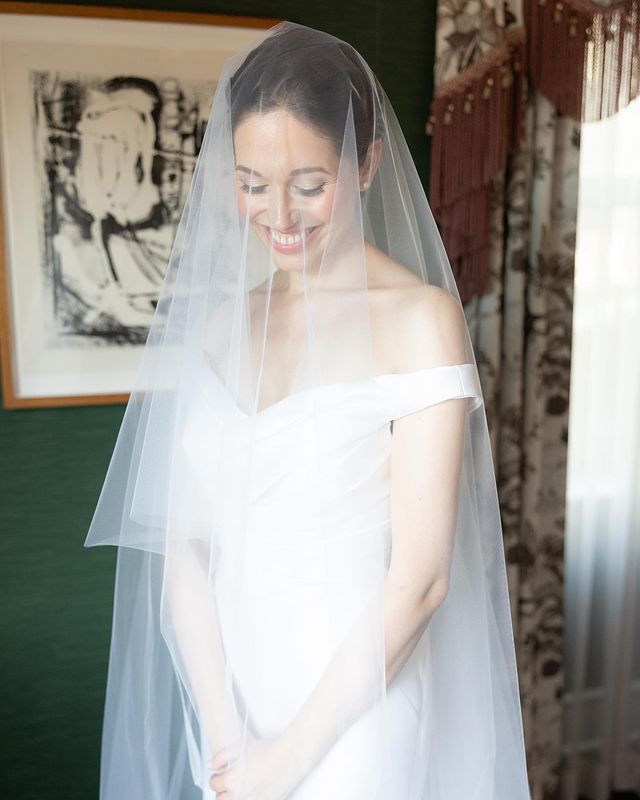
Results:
435 595
418 599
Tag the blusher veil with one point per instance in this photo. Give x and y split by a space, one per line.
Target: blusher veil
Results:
249 491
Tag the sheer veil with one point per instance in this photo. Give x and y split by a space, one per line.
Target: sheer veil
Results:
279 429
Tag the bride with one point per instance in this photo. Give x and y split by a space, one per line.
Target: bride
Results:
311 596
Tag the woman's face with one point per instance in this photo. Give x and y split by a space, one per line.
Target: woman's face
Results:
286 175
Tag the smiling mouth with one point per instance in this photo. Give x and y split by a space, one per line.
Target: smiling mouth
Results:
287 239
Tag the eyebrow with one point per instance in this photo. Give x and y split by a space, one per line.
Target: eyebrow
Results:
301 171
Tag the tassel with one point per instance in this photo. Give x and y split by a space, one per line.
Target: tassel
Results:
584 57
476 120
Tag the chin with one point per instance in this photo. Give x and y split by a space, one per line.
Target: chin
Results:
290 265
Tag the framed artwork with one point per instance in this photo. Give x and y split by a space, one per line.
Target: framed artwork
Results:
102 112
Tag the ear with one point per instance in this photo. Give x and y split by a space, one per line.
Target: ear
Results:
370 165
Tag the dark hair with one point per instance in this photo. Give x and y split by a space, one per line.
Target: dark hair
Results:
311 74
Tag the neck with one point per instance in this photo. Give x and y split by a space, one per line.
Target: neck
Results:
344 273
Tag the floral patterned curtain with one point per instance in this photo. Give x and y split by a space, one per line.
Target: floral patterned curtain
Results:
514 81
520 316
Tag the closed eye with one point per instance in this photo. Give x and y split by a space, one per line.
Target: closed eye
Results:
245 187
249 189
311 192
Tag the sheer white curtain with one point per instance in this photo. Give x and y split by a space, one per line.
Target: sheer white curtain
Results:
602 600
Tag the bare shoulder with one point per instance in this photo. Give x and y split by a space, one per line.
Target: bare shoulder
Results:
431 330
418 325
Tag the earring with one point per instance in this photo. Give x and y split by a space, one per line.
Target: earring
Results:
365 185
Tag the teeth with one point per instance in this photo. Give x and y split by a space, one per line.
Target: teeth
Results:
288 240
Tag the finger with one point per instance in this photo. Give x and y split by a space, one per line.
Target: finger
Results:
217 762
225 782
224 756
218 783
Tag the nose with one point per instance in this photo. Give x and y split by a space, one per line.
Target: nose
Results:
282 215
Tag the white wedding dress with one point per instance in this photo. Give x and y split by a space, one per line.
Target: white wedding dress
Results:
278 645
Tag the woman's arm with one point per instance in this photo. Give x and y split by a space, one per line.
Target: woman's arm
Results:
426 460
193 625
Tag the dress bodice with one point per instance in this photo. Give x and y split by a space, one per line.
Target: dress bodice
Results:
319 451
394 394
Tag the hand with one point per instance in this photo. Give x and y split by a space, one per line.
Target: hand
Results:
258 769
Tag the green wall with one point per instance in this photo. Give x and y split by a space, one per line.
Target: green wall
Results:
55 611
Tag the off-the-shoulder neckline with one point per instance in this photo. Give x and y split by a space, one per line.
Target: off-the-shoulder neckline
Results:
353 382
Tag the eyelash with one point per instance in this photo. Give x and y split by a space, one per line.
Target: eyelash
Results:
305 192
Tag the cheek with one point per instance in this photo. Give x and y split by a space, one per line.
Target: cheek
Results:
249 206
324 205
